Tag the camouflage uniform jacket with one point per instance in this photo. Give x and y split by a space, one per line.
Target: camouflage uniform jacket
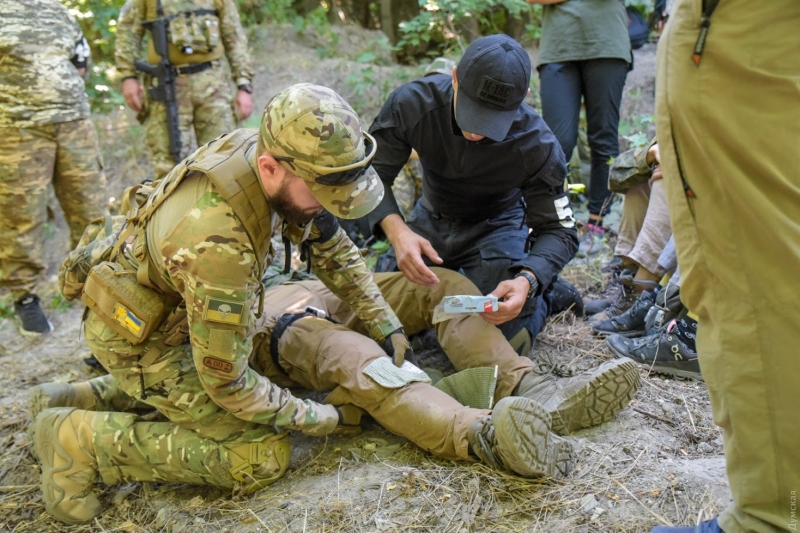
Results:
234 41
40 47
202 251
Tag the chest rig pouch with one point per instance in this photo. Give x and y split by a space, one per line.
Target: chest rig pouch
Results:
193 30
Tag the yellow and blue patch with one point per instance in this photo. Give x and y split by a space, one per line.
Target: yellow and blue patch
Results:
128 320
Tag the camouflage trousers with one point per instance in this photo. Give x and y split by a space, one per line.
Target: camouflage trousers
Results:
312 353
68 156
204 113
200 442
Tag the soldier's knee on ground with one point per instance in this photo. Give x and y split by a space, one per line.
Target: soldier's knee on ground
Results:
257 464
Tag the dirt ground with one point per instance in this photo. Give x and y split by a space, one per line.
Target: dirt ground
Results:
659 462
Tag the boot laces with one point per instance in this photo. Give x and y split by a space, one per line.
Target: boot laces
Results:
485 442
546 367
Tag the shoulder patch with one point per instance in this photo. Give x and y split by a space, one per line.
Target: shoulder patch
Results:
222 343
216 364
224 311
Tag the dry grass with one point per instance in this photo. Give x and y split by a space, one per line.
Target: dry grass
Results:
631 474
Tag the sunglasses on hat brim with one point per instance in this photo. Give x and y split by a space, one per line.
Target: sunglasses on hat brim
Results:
338 175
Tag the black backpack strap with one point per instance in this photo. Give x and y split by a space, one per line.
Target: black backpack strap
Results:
283 324
705 23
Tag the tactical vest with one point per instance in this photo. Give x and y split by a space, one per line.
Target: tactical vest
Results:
194 30
224 162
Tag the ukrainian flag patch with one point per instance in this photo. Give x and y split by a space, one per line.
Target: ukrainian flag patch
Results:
128 320
224 311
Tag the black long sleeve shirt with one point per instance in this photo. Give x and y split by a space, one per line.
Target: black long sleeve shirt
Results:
477 180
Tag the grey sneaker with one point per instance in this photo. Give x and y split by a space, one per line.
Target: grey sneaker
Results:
585 400
31 317
516 436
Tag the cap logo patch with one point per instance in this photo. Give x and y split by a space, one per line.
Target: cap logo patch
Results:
493 91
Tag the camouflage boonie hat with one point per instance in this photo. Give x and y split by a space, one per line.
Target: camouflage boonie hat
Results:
440 65
317 130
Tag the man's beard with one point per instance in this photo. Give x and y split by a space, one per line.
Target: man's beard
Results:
281 202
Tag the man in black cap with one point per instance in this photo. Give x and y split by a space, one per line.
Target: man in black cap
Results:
490 165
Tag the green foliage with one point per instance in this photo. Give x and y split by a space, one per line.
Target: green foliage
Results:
645 7
317 23
635 130
255 12
361 84
444 22
59 303
6 307
98 20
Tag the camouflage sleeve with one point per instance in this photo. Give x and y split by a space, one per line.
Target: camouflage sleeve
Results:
129 37
210 261
338 264
235 41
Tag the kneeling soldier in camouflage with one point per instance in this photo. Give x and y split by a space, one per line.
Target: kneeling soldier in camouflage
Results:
172 317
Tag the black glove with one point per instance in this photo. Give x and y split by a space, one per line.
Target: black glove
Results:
349 420
397 346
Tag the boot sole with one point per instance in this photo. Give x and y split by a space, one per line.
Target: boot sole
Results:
524 441
662 367
47 445
607 393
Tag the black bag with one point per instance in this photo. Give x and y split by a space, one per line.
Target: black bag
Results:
638 30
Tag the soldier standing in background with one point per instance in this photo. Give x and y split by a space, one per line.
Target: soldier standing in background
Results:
200 31
45 136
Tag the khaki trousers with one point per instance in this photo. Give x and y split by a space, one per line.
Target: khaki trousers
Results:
644 229
317 354
729 131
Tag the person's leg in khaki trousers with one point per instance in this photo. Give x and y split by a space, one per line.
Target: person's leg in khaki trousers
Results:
728 130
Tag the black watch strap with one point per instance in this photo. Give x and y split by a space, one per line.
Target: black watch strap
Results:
532 280
246 88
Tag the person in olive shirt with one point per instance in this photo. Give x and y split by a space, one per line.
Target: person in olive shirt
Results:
585 52
492 169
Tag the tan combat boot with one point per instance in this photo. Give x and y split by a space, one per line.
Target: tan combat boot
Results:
585 400
63 442
517 437
98 394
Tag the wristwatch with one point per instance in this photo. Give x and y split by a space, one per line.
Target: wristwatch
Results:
246 88
531 279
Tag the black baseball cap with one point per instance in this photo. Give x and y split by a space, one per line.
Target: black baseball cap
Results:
493 78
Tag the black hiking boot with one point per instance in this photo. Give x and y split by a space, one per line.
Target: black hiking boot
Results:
564 296
31 317
630 293
611 292
631 323
671 351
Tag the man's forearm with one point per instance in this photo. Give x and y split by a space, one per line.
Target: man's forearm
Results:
392 225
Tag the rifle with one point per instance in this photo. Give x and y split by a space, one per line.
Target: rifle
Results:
164 74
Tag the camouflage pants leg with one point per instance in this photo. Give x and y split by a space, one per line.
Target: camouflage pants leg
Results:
79 180
210 445
204 113
30 158
27 158
319 355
